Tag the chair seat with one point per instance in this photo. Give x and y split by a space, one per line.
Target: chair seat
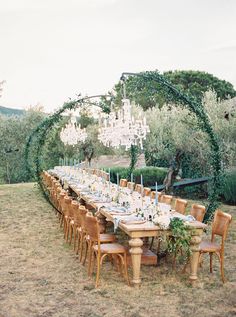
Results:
110 248
106 237
207 246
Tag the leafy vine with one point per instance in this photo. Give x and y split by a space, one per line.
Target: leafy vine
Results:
180 238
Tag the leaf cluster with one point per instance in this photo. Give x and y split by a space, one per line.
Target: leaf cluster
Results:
180 238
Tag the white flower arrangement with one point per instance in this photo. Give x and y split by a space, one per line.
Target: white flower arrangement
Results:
162 216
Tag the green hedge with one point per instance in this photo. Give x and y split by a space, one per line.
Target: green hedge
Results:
229 187
150 174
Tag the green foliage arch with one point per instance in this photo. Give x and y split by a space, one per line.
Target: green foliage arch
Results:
172 94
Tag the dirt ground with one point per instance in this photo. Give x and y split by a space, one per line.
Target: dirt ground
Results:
40 275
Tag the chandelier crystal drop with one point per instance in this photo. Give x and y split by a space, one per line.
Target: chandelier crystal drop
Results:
121 129
72 134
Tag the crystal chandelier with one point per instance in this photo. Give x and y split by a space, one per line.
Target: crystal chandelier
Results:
121 129
72 134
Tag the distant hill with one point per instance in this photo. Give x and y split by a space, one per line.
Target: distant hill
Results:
11 112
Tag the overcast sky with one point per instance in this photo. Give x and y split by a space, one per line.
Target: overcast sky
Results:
54 49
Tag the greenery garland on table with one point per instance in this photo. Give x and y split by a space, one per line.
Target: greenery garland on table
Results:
172 94
180 238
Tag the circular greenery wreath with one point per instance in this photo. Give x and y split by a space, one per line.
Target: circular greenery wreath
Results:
38 136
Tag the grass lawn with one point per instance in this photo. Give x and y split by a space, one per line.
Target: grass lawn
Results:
40 275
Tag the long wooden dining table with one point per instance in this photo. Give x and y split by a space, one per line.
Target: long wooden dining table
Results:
137 233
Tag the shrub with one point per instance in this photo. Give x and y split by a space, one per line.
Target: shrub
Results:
229 186
150 174
122 171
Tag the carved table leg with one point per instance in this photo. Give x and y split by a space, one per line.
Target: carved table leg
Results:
195 242
102 222
136 252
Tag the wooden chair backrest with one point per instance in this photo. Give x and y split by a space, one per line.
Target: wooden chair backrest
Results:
49 181
67 204
99 173
123 182
153 195
71 209
103 174
131 185
75 209
61 200
56 186
146 191
79 214
198 212
106 176
59 190
138 188
221 224
92 227
83 212
180 205
166 199
54 181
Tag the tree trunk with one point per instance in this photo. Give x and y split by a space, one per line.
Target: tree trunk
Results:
172 173
8 173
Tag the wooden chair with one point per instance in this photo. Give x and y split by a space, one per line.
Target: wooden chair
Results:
138 188
101 250
52 190
80 231
131 185
123 182
198 212
166 199
106 176
85 237
220 227
62 206
74 221
180 205
147 191
56 189
59 189
67 212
